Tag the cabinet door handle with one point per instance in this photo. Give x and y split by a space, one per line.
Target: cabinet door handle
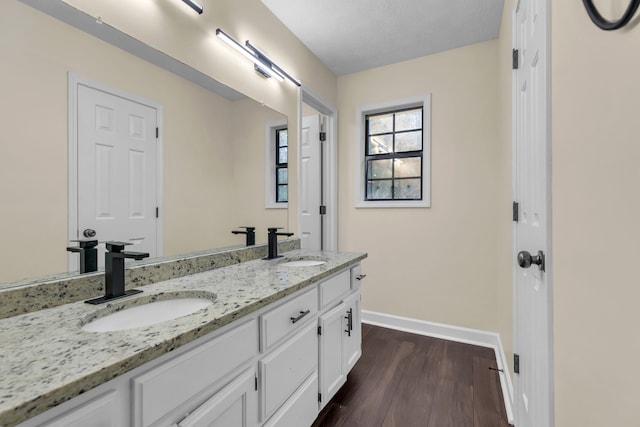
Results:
302 314
360 276
349 318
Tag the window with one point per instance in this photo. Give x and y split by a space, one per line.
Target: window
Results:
276 172
282 178
394 154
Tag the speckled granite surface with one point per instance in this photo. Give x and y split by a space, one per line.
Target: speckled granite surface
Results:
31 295
45 358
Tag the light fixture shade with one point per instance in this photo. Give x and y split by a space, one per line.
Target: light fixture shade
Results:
194 5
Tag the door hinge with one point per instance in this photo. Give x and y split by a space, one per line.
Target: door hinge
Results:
514 59
319 330
516 363
157 133
319 397
157 212
516 211
323 136
323 210
256 378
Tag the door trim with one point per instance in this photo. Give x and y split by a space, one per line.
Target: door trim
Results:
329 164
72 213
548 249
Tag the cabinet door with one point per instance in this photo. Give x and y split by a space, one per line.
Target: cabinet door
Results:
353 332
332 374
236 405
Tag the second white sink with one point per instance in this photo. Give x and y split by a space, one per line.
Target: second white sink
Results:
148 314
302 263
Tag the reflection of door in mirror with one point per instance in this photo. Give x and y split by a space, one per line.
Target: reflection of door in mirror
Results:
117 171
310 184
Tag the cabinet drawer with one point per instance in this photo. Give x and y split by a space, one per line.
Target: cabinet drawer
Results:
333 289
163 389
286 368
287 318
301 409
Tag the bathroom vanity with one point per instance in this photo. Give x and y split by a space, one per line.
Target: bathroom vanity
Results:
272 349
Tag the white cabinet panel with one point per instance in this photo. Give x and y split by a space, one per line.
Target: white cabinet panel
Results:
332 374
99 412
236 405
334 288
287 318
286 368
301 410
170 385
352 349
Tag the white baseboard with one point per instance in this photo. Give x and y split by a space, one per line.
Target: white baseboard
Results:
452 333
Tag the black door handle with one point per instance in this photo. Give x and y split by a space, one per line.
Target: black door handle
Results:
525 259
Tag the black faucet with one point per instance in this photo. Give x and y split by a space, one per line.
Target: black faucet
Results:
273 241
88 251
114 272
250 232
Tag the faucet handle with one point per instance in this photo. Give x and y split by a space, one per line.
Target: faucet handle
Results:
116 246
135 255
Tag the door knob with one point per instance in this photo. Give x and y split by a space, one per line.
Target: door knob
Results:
89 232
525 259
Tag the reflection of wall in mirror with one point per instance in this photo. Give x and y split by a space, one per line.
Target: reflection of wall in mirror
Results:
198 137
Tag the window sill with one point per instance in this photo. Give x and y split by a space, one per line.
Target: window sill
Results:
393 204
274 205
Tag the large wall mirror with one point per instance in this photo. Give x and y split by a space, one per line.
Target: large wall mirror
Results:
214 142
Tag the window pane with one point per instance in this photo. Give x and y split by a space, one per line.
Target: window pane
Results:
282 155
407 189
409 167
283 136
380 144
379 189
283 176
408 120
379 169
380 124
282 193
409 141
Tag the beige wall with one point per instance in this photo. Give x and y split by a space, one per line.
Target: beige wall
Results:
198 142
596 200
436 264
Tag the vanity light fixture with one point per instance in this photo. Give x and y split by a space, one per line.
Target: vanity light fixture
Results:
261 62
275 67
195 6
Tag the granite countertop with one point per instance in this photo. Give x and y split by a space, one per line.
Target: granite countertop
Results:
46 359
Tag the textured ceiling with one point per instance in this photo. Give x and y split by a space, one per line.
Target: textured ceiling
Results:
355 35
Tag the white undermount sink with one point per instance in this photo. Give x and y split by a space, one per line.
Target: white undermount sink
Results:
303 263
144 312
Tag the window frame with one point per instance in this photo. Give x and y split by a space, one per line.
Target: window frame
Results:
270 158
360 170
278 165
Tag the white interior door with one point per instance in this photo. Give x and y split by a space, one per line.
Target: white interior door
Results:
310 184
116 170
532 293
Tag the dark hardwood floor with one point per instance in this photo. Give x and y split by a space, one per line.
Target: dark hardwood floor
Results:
407 380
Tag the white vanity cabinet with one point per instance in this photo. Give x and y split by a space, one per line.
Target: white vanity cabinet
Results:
269 368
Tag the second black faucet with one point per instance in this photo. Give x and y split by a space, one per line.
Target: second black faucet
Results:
273 241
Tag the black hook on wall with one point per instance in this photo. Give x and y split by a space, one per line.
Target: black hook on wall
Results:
606 25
